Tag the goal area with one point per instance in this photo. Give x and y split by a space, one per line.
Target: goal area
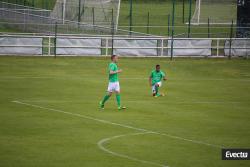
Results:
93 12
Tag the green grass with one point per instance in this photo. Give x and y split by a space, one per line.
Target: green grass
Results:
207 100
7 28
45 4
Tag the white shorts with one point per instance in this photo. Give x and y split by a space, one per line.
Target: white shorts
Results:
153 87
114 87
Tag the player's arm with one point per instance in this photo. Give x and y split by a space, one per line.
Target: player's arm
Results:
112 70
115 72
164 76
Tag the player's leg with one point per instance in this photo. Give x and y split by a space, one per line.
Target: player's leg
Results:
157 89
118 96
108 95
158 85
105 98
153 90
118 100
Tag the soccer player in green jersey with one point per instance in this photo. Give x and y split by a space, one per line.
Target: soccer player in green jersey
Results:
114 85
155 79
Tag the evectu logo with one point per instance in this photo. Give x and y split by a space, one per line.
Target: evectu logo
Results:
235 154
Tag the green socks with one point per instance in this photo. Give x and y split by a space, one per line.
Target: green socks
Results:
106 97
156 89
118 99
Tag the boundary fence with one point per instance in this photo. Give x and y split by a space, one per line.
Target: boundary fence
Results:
141 46
30 19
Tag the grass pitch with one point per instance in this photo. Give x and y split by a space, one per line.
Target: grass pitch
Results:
56 121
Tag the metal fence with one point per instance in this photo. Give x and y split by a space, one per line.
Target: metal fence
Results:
30 19
141 46
22 18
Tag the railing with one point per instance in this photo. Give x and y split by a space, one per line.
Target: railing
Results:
128 46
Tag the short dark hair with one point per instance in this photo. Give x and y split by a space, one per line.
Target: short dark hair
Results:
157 65
113 56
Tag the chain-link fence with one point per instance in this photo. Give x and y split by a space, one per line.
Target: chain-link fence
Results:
95 12
141 18
30 19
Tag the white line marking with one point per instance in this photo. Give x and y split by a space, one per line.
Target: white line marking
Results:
103 141
136 101
25 77
82 77
82 116
121 125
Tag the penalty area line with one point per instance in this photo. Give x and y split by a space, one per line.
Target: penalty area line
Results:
120 125
102 142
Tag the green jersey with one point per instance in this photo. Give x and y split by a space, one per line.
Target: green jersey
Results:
113 77
156 76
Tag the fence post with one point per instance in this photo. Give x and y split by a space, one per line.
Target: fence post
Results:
24 16
79 12
168 24
208 27
112 15
130 17
107 46
230 44
162 46
183 11
172 40
112 35
148 24
189 18
218 45
62 12
93 15
55 44
49 46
